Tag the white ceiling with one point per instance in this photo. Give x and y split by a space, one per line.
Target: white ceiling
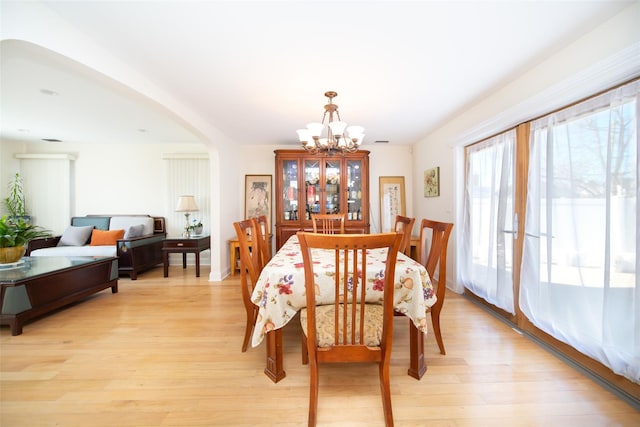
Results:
257 70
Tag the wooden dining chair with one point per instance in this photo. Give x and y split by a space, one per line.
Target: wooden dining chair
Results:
405 225
262 239
345 330
328 223
432 256
250 267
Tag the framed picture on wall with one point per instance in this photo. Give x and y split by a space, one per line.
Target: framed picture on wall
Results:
432 182
392 201
258 197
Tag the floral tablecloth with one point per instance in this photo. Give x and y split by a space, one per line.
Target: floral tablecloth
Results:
280 291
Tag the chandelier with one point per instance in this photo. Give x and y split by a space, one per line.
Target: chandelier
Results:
336 140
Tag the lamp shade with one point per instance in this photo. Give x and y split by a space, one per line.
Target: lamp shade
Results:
186 204
337 127
315 129
304 135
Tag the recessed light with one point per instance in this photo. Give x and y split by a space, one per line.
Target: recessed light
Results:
49 92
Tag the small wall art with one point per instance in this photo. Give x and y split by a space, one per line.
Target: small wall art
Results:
257 197
432 182
392 201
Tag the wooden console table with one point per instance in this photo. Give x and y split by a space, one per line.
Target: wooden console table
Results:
184 245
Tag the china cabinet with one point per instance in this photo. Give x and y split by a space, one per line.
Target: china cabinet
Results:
319 183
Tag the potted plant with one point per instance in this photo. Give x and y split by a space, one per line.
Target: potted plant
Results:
14 237
196 227
15 202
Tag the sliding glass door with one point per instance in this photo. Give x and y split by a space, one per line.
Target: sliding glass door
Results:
486 267
570 270
578 278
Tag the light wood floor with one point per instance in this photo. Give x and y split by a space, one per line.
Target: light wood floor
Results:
166 352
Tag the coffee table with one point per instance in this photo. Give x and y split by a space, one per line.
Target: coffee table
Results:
39 285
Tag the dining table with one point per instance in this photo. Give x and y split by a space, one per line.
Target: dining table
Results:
280 293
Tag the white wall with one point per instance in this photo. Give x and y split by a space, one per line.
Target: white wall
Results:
389 160
606 56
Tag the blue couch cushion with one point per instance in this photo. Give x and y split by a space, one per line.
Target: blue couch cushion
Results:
97 222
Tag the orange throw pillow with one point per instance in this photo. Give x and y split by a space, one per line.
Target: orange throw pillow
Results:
106 238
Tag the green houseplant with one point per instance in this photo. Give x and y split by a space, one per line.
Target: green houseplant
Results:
14 236
15 202
196 227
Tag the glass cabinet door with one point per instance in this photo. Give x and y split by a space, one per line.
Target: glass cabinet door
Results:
312 187
290 186
308 184
354 190
332 186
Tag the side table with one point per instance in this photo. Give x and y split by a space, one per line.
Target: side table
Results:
234 255
184 245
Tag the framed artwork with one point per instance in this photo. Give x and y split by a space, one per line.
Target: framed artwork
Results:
392 201
432 182
158 225
258 197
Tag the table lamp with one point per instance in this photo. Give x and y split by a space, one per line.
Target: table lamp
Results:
186 204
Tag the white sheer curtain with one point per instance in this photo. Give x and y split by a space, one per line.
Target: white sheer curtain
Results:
578 279
486 267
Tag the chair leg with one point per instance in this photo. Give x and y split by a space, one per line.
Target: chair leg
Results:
313 394
435 320
252 315
305 350
385 391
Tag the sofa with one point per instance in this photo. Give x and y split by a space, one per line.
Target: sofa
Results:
136 240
